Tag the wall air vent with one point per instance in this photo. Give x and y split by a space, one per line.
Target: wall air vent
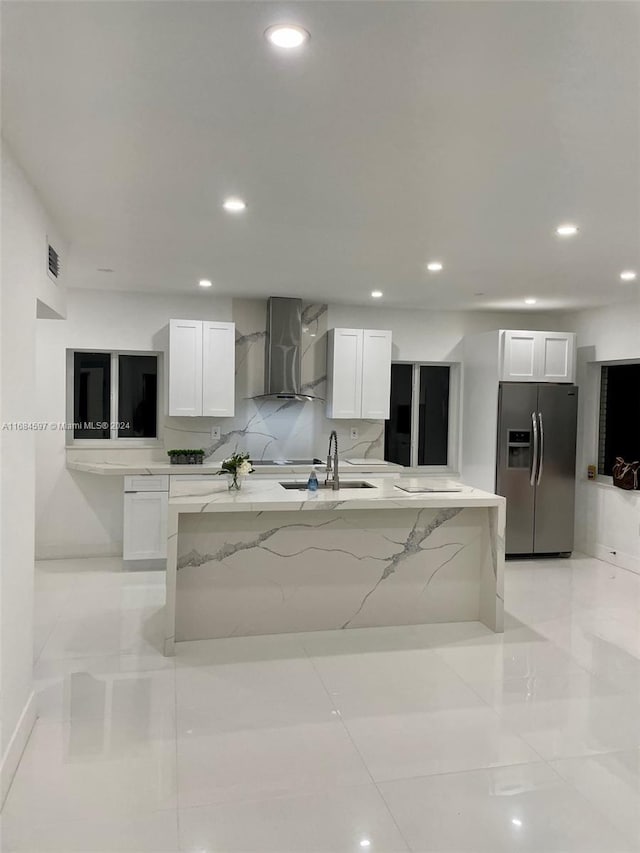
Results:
53 262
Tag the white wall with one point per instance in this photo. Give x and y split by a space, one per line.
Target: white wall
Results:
25 225
607 519
81 514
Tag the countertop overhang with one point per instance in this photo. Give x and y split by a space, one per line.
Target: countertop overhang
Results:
269 496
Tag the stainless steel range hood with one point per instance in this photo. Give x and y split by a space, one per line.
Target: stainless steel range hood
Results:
283 358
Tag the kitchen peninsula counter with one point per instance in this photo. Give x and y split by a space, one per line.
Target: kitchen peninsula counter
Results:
270 560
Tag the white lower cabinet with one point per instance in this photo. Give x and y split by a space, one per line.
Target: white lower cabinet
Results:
145 518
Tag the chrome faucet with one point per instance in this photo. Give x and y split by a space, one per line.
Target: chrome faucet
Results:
333 469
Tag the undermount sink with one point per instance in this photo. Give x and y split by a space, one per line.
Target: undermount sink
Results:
345 484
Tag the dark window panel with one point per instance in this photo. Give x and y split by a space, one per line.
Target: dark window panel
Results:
137 396
433 416
91 394
397 433
619 416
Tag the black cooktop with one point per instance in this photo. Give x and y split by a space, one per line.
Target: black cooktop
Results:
286 461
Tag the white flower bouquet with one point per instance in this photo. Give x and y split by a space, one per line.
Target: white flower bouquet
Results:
236 466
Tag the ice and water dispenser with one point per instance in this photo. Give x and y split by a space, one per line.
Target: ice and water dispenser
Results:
519 448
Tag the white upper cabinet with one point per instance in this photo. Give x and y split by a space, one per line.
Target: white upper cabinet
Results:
538 356
218 369
201 368
376 374
344 373
185 367
557 356
358 373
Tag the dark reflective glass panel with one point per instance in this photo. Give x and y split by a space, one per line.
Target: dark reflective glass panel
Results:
91 394
619 415
397 433
433 418
137 396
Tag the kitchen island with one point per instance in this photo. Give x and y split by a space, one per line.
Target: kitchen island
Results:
270 559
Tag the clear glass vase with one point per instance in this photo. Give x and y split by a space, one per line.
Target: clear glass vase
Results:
234 481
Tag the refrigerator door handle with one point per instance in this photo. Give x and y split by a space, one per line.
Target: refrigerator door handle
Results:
534 458
540 463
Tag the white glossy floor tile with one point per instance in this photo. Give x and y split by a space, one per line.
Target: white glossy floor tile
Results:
223 766
153 832
497 659
240 650
134 631
532 689
102 688
611 783
400 682
266 694
95 769
334 821
563 728
525 808
399 746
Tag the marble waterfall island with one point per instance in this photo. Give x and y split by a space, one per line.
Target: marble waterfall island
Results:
268 560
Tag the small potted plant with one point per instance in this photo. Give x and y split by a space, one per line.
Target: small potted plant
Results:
186 457
235 467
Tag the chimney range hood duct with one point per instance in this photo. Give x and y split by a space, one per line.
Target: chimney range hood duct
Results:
283 355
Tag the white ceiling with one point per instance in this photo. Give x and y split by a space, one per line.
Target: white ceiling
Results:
403 132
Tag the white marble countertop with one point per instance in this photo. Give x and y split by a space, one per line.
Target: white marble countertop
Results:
269 495
142 468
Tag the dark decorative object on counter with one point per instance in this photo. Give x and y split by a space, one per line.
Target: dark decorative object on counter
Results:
186 457
626 474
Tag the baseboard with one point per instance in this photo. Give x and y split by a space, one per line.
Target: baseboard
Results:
17 744
73 550
144 565
614 556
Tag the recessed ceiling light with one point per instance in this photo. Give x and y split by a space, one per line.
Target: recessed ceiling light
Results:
376 294
628 275
530 301
234 205
287 36
434 266
204 282
365 842
566 230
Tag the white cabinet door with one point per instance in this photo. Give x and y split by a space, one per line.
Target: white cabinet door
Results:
218 369
344 379
145 526
185 367
556 356
519 357
376 374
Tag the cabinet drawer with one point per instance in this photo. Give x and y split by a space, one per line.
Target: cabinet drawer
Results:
147 483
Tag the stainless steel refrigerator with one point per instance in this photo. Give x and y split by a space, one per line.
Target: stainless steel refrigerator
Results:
536 465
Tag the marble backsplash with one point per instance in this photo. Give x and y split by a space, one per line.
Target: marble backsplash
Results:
275 429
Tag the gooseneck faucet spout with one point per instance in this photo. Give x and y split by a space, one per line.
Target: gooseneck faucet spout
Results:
332 469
